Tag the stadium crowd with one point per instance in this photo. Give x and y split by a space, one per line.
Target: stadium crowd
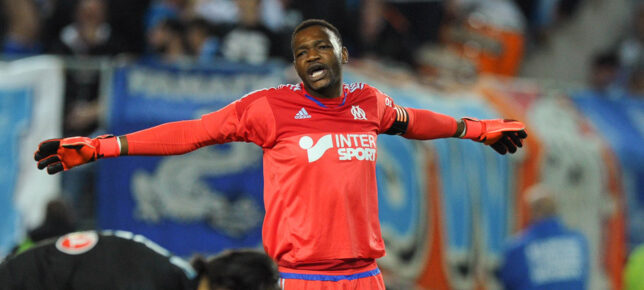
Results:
429 40
495 36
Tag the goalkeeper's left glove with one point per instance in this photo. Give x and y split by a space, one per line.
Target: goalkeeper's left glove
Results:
63 154
502 135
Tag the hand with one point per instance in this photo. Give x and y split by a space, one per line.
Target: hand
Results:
63 154
503 135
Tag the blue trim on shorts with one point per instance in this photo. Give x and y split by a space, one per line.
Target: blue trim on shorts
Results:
332 278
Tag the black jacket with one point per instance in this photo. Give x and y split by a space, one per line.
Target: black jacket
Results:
91 260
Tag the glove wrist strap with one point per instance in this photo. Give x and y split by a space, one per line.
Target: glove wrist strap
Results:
473 129
109 147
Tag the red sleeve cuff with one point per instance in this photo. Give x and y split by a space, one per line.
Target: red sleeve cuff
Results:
425 125
109 147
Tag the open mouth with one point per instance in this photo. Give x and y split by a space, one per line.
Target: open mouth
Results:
316 72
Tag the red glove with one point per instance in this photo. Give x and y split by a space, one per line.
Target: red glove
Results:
63 154
502 135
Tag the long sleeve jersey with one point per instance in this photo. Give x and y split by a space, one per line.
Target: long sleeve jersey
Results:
320 191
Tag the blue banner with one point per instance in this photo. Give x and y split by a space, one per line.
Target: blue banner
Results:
15 114
205 201
31 98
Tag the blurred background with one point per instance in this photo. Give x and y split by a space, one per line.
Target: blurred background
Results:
571 70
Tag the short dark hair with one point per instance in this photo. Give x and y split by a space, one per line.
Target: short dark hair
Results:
239 269
312 22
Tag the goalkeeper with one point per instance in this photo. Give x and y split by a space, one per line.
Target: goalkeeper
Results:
319 141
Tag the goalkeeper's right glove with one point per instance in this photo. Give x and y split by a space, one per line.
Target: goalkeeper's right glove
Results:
63 154
502 135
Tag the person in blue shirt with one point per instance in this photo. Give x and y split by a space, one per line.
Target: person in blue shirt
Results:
546 255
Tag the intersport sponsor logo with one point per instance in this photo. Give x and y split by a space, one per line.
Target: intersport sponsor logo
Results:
360 147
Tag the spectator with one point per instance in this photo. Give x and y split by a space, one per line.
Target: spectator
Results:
90 33
167 41
604 71
250 41
546 255
22 35
602 77
202 40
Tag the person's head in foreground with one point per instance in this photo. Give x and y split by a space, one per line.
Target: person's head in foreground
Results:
237 270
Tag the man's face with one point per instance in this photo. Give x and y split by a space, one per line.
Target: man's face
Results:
318 55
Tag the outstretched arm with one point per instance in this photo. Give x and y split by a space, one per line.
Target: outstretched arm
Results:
243 120
501 134
168 139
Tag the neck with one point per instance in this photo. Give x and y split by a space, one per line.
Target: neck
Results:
329 92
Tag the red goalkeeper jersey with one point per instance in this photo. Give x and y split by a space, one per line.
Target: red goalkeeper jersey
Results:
319 168
319 165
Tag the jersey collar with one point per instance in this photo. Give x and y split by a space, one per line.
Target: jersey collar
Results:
319 103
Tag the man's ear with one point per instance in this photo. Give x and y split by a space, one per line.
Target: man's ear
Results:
345 55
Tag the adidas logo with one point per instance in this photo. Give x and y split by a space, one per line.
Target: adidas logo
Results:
302 114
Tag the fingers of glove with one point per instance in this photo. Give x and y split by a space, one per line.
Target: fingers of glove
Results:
514 137
499 147
39 156
46 148
55 168
522 134
47 161
508 144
